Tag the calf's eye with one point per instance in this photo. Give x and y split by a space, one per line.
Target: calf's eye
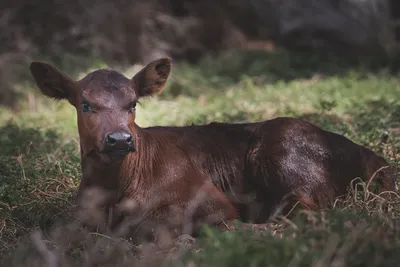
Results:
86 107
133 108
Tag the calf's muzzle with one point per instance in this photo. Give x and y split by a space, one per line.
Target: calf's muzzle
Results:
120 142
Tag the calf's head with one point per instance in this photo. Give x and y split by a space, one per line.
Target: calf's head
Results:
105 101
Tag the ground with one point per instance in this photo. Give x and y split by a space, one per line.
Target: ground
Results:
40 169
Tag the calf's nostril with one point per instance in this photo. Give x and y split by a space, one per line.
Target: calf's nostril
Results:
129 139
111 140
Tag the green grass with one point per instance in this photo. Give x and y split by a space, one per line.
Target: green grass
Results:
39 154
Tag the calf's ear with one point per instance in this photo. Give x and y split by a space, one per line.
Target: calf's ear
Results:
152 79
52 82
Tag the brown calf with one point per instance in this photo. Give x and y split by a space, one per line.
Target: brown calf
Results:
274 161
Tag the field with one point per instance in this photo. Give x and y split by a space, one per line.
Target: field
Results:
40 167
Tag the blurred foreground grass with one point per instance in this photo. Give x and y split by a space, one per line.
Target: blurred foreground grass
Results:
40 170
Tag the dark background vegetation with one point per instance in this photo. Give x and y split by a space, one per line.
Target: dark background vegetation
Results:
76 34
234 60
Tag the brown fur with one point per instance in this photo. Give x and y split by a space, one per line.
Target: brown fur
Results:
246 170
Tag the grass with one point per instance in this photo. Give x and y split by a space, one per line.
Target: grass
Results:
39 163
